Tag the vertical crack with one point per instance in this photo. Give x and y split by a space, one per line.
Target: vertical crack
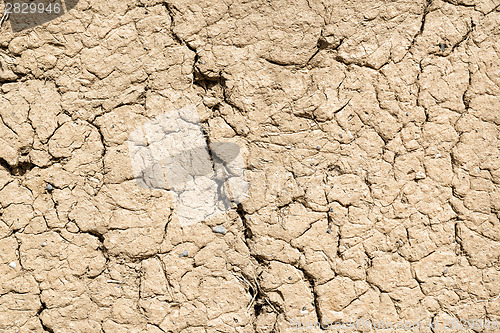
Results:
42 308
310 280
422 24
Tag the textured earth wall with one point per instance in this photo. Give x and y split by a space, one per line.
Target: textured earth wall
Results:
370 132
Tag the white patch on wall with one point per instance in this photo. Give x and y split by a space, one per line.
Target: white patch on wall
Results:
170 152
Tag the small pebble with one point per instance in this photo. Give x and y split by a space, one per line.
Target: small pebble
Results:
420 175
49 187
183 254
219 229
329 231
44 244
12 265
445 270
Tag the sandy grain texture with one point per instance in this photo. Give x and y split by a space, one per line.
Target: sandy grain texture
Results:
371 137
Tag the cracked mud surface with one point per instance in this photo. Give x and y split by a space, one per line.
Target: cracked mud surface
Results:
371 137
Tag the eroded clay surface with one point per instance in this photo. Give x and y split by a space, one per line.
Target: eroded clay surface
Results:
370 132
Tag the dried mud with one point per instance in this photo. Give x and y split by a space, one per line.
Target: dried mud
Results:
370 133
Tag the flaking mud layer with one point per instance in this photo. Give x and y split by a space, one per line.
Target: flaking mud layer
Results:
371 140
